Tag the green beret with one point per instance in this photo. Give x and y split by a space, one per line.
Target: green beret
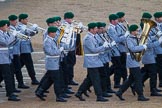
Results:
52 29
23 16
58 18
146 15
3 23
113 17
12 17
7 22
120 14
92 25
133 27
69 15
50 20
103 24
158 14
99 24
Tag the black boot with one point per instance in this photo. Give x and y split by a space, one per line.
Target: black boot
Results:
13 98
60 99
101 99
110 90
104 94
79 96
142 98
39 94
64 95
155 93
23 86
35 82
119 95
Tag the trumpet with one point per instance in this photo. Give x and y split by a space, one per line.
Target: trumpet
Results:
20 35
40 28
79 25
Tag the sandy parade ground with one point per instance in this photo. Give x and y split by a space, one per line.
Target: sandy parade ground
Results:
85 11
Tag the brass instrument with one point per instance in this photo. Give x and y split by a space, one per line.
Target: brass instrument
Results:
62 29
39 28
148 24
20 35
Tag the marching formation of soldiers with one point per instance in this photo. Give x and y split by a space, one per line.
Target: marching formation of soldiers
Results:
120 45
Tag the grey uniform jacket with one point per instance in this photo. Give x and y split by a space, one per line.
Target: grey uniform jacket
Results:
121 29
104 56
25 45
114 36
133 47
91 52
5 41
52 54
16 46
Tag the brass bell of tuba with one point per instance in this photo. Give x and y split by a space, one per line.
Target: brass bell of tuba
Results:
148 24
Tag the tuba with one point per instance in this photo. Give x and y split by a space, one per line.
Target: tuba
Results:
148 24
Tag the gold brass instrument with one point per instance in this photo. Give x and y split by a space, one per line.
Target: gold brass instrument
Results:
148 24
62 30
39 28
20 35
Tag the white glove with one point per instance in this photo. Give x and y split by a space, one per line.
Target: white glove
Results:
61 49
126 34
35 26
105 44
160 40
23 27
145 46
113 43
80 25
159 33
14 33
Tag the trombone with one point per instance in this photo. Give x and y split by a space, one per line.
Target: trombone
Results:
20 35
40 28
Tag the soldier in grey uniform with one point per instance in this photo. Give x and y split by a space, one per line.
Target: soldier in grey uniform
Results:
158 50
121 30
53 53
6 41
26 47
16 54
133 65
92 62
116 62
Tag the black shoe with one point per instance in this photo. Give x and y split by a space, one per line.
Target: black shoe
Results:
101 99
158 90
106 95
73 83
133 90
60 99
79 96
142 98
40 96
119 95
111 91
35 82
13 98
64 95
156 94
69 91
117 86
17 91
23 86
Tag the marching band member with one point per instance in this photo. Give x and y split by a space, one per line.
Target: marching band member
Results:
121 30
133 65
158 50
26 47
92 62
5 62
52 66
112 32
148 59
16 54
